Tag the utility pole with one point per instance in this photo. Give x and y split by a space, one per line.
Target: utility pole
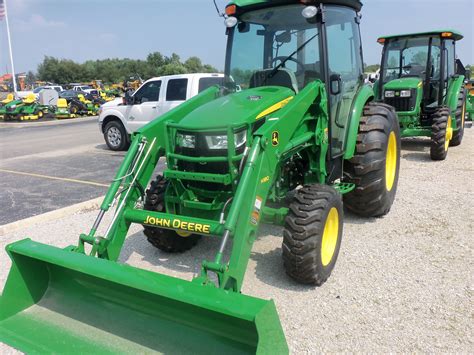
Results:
10 49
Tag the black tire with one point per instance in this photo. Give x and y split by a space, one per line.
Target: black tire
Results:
305 223
439 133
40 114
460 119
164 239
115 136
376 180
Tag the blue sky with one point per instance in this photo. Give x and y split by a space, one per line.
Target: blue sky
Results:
87 29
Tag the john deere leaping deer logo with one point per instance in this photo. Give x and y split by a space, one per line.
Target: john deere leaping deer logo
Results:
275 138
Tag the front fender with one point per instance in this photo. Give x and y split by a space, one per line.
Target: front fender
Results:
364 95
113 112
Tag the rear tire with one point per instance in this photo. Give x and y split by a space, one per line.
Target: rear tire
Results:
115 136
164 239
375 167
312 234
440 135
460 119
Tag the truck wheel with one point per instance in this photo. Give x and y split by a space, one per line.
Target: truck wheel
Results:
165 239
115 136
441 133
375 166
312 234
460 118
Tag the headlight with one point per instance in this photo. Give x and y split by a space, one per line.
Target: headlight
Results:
185 140
390 93
405 93
220 141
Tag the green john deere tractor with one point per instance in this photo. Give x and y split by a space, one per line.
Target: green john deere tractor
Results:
470 101
422 79
294 121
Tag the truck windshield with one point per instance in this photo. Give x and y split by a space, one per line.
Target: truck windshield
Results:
263 40
407 57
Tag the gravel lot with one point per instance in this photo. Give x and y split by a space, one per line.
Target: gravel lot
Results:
403 283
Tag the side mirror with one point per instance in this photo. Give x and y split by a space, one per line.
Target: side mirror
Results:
335 84
129 99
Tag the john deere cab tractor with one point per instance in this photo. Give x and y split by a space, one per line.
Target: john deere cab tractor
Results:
294 121
422 79
470 101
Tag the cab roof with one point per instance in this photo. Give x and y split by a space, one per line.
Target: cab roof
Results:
355 4
446 33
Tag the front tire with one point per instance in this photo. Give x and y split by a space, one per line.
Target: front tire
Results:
441 133
312 234
460 119
115 136
164 239
375 167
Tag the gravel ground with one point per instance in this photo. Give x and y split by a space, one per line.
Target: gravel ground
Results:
403 283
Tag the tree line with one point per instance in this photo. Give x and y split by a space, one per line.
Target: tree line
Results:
64 71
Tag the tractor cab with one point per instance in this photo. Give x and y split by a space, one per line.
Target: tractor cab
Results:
419 75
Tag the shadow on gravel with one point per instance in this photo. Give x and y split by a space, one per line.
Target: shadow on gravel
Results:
189 261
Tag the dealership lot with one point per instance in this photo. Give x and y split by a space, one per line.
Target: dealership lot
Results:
403 283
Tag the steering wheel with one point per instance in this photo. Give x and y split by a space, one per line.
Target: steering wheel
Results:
408 67
300 66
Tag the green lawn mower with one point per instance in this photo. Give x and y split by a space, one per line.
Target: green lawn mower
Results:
291 136
62 110
3 103
422 79
25 109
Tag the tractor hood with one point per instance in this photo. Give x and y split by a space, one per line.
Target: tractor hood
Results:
403 83
238 108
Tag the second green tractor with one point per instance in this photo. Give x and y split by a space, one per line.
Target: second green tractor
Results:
422 79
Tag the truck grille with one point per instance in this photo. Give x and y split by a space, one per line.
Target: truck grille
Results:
402 104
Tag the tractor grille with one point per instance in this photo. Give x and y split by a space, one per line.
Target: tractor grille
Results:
402 104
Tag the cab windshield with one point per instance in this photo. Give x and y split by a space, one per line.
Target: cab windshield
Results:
408 57
275 46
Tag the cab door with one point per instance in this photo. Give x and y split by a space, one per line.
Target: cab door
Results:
344 71
145 106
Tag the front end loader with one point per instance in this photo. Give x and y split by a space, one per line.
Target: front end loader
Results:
422 79
292 135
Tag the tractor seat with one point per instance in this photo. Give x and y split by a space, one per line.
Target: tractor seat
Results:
29 99
283 77
62 103
83 99
8 99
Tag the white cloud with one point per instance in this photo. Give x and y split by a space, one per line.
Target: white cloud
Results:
36 22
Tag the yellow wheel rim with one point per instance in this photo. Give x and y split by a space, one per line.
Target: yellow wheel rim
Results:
330 235
40 114
449 134
391 161
463 115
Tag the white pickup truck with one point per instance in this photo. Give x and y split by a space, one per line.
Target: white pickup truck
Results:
117 120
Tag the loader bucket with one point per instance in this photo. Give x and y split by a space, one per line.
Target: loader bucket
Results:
59 301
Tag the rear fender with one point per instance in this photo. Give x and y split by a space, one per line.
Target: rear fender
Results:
454 90
364 95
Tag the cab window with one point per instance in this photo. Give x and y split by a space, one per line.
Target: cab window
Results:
176 90
148 92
